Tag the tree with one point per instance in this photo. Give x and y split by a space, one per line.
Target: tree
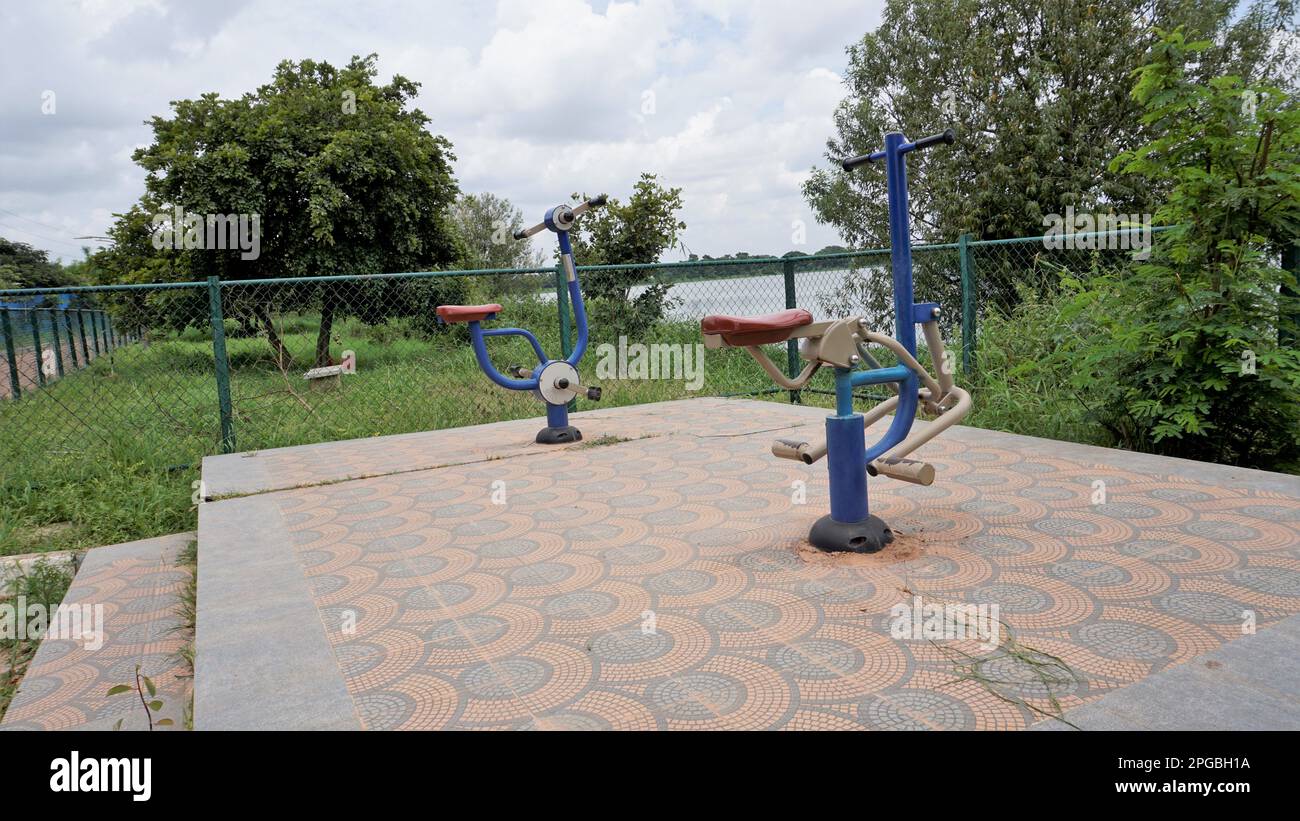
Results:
1184 356
637 231
22 266
1035 91
342 178
486 224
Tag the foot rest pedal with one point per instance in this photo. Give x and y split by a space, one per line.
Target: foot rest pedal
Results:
906 470
793 449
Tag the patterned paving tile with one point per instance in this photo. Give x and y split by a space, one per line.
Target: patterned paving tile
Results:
138 586
664 582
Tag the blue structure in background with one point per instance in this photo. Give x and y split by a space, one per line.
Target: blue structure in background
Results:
555 381
850 524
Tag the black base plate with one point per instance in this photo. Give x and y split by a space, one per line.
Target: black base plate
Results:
558 436
867 536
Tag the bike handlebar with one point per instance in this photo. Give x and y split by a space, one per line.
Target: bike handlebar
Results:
575 211
947 137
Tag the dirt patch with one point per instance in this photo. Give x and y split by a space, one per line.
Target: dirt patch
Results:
904 548
29 363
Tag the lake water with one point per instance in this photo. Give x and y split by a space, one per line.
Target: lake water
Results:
745 296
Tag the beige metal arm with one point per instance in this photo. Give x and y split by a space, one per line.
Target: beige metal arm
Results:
779 378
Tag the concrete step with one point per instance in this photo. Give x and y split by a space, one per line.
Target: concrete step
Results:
128 597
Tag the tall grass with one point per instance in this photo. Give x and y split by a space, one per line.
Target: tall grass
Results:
110 453
44 584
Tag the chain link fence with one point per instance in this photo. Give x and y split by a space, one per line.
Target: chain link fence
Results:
111 395
171 372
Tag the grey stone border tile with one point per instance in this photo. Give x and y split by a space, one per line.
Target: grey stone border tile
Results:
253 593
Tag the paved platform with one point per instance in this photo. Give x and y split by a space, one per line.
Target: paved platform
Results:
1252 683
660 578
138 585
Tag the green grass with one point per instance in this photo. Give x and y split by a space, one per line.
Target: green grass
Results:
45 584
110 453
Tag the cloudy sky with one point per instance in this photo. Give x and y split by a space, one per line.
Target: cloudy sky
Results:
729 99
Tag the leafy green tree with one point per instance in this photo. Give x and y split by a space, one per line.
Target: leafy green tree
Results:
486 224
1184 357
344 178
22 266
1037 95
638 231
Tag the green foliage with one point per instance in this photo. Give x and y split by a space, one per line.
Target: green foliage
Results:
43 583
1024 381
1034 90
486 224
1185 360
146 692
343 177
22 266
52 502
637 231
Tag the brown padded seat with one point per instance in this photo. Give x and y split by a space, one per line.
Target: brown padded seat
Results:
467 313
756 330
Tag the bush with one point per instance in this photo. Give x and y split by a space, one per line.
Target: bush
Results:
1186 361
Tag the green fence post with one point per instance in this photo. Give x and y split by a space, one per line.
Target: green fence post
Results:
94 331
1290 262
791 346
967 306
81 326
15 389
58 344
222 365
109 338
34 315
72 340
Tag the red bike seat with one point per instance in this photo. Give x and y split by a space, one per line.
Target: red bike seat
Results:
756 330
467 313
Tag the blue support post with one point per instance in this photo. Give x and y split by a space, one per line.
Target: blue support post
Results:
845 442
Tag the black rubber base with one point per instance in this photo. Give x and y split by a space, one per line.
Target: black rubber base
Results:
558 436
867 536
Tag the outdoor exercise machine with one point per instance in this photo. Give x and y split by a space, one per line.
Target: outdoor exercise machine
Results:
554 381
843 344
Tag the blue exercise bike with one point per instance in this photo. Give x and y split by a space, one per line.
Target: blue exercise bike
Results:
554 381
844 345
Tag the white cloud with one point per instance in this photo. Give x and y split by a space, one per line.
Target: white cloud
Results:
540 97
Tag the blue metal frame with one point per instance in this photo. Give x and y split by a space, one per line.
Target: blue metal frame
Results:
557 416
847 456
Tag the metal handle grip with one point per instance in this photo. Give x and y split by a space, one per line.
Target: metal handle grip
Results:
947 137
581 208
